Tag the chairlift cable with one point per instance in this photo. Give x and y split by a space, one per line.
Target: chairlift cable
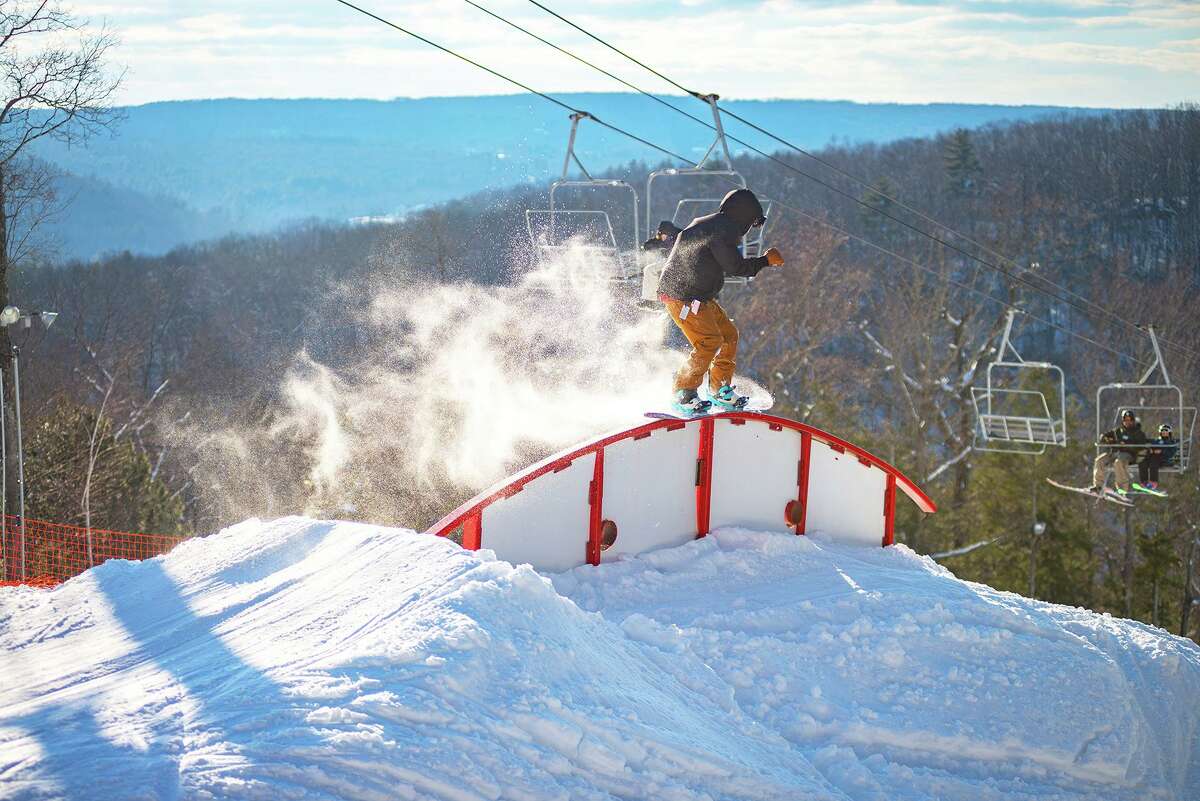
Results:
939 240
587 63
678 157
965 237
513 81
617 50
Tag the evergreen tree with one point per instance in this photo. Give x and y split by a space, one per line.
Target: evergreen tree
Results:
878 198
125 494
962 165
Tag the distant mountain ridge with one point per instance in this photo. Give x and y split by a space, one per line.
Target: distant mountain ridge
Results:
251 165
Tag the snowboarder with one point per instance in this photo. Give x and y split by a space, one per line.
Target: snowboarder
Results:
1155 458
704 253
1128 433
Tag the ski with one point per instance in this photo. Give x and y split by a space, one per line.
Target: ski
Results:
1157 493
1112 496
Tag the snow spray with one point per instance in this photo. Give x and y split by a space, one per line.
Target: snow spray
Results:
462 383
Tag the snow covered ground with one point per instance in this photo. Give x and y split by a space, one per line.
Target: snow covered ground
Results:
303 659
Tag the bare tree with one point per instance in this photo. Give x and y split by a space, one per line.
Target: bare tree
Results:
93 455
55 82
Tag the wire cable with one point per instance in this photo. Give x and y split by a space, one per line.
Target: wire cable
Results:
587 63
829 165
513 81
932 220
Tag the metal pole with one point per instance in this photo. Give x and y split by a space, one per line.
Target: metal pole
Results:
1033 546
4 481
1185 613
16 352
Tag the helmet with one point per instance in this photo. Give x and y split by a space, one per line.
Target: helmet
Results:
1164 430
1128 413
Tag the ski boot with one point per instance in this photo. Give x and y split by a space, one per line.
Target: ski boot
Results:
689 404
729 400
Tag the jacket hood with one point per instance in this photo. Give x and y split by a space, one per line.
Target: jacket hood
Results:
742 208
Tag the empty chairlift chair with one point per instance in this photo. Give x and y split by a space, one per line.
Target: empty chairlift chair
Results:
570 229
1011 419
702 198
1153 404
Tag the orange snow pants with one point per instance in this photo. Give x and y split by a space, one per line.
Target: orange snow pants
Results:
714 341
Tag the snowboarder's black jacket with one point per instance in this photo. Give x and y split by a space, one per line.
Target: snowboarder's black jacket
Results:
706 251
1123 436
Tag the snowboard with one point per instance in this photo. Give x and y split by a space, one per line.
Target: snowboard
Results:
1110 495
758 400
1157 493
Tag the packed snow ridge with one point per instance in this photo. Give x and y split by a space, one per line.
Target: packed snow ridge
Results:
301 659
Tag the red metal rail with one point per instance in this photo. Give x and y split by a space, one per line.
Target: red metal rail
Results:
469 515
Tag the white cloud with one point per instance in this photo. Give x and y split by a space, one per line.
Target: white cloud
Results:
1090 52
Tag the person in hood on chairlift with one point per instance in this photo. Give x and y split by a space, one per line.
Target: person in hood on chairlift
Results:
1128 433
704 253
664 237
1155 458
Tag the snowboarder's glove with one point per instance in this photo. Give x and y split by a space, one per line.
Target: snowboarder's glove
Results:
774 257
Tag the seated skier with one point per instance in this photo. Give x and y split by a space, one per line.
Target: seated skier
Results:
1128 433
1155 458
704 253
664 237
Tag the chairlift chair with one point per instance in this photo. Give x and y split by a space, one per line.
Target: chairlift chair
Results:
587 233
1011 420
752 243
1155 402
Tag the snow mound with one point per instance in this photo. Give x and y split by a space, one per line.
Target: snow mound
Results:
304 659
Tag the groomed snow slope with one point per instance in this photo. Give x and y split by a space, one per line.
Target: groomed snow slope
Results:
302 659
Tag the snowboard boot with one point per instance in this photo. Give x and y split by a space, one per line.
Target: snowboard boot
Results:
727 399
689 404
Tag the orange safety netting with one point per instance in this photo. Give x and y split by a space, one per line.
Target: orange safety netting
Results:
54 552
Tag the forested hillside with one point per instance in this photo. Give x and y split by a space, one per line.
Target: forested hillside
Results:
252 165
274 374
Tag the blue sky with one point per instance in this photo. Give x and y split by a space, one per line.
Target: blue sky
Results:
1063 52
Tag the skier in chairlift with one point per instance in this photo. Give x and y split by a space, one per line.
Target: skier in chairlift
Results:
704 253
1155 458
663 239
1128 433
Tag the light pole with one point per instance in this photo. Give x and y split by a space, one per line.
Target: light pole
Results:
9 317
1038 528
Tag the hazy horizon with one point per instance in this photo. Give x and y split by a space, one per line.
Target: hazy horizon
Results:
1081 53
847 101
